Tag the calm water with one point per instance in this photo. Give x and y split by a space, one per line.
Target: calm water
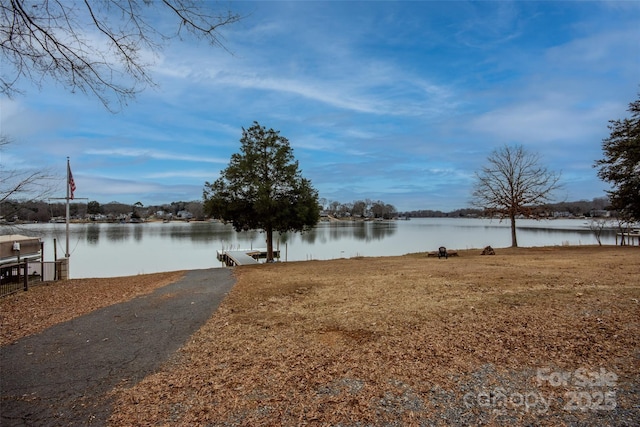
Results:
109 250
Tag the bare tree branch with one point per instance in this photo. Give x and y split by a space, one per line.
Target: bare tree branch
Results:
25 185
95 46
512 184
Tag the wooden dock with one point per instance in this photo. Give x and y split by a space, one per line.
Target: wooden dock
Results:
244 256
627 238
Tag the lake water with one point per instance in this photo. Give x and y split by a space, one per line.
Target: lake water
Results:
110 250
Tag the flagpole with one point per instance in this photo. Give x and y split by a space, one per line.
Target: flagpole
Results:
67 254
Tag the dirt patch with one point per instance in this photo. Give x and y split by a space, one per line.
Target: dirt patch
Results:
499 340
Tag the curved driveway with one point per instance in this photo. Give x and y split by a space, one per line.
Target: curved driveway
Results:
61 376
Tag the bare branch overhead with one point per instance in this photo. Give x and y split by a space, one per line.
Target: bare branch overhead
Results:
98 47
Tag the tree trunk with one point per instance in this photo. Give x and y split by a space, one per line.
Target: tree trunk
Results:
514 239
269 244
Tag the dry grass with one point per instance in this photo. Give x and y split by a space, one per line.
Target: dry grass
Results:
27 313
407 341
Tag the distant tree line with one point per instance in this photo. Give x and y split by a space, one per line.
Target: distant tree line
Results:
366 208
594 207
587 208
42 211
428 213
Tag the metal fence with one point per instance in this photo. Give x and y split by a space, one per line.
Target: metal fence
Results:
18 276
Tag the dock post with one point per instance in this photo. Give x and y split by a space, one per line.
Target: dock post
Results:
26 274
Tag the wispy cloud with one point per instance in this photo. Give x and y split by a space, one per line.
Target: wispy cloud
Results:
400 101
200 174
542 123
153 154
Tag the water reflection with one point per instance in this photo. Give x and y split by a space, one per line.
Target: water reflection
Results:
117 232
107 250
357 230
137 232
208 232
574 237
93 234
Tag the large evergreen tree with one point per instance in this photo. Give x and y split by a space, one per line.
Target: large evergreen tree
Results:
263 188
621 164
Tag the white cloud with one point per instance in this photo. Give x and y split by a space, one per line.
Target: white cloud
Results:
597 53
154 154
542 123
403 101
200 174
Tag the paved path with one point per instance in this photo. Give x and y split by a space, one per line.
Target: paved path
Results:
60 377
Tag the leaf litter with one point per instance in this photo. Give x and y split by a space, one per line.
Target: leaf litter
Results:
410 340
390 341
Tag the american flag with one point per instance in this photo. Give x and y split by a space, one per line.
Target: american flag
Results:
72 183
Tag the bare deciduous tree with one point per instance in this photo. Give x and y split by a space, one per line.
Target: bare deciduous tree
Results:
99 47
512 184
597 225
21 185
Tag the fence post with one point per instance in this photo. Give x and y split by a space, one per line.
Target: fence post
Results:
42 261
26 274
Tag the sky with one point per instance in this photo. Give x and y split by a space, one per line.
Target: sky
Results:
394 101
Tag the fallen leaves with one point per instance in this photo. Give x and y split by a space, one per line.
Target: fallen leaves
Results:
399 340
396 341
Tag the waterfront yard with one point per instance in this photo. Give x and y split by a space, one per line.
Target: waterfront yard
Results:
544 336
539 336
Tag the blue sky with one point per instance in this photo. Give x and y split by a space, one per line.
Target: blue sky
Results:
396 101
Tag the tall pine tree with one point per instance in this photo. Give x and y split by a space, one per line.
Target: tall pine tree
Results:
621 164
263 188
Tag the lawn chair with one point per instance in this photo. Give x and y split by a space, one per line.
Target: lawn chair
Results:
442 252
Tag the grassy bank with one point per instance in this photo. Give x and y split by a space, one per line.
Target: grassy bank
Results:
509 339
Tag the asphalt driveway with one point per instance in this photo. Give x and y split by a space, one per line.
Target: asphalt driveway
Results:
61 377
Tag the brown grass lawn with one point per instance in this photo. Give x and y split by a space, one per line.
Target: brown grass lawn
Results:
515 338
536 336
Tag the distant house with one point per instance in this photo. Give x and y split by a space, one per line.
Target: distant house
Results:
184 214
563 214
